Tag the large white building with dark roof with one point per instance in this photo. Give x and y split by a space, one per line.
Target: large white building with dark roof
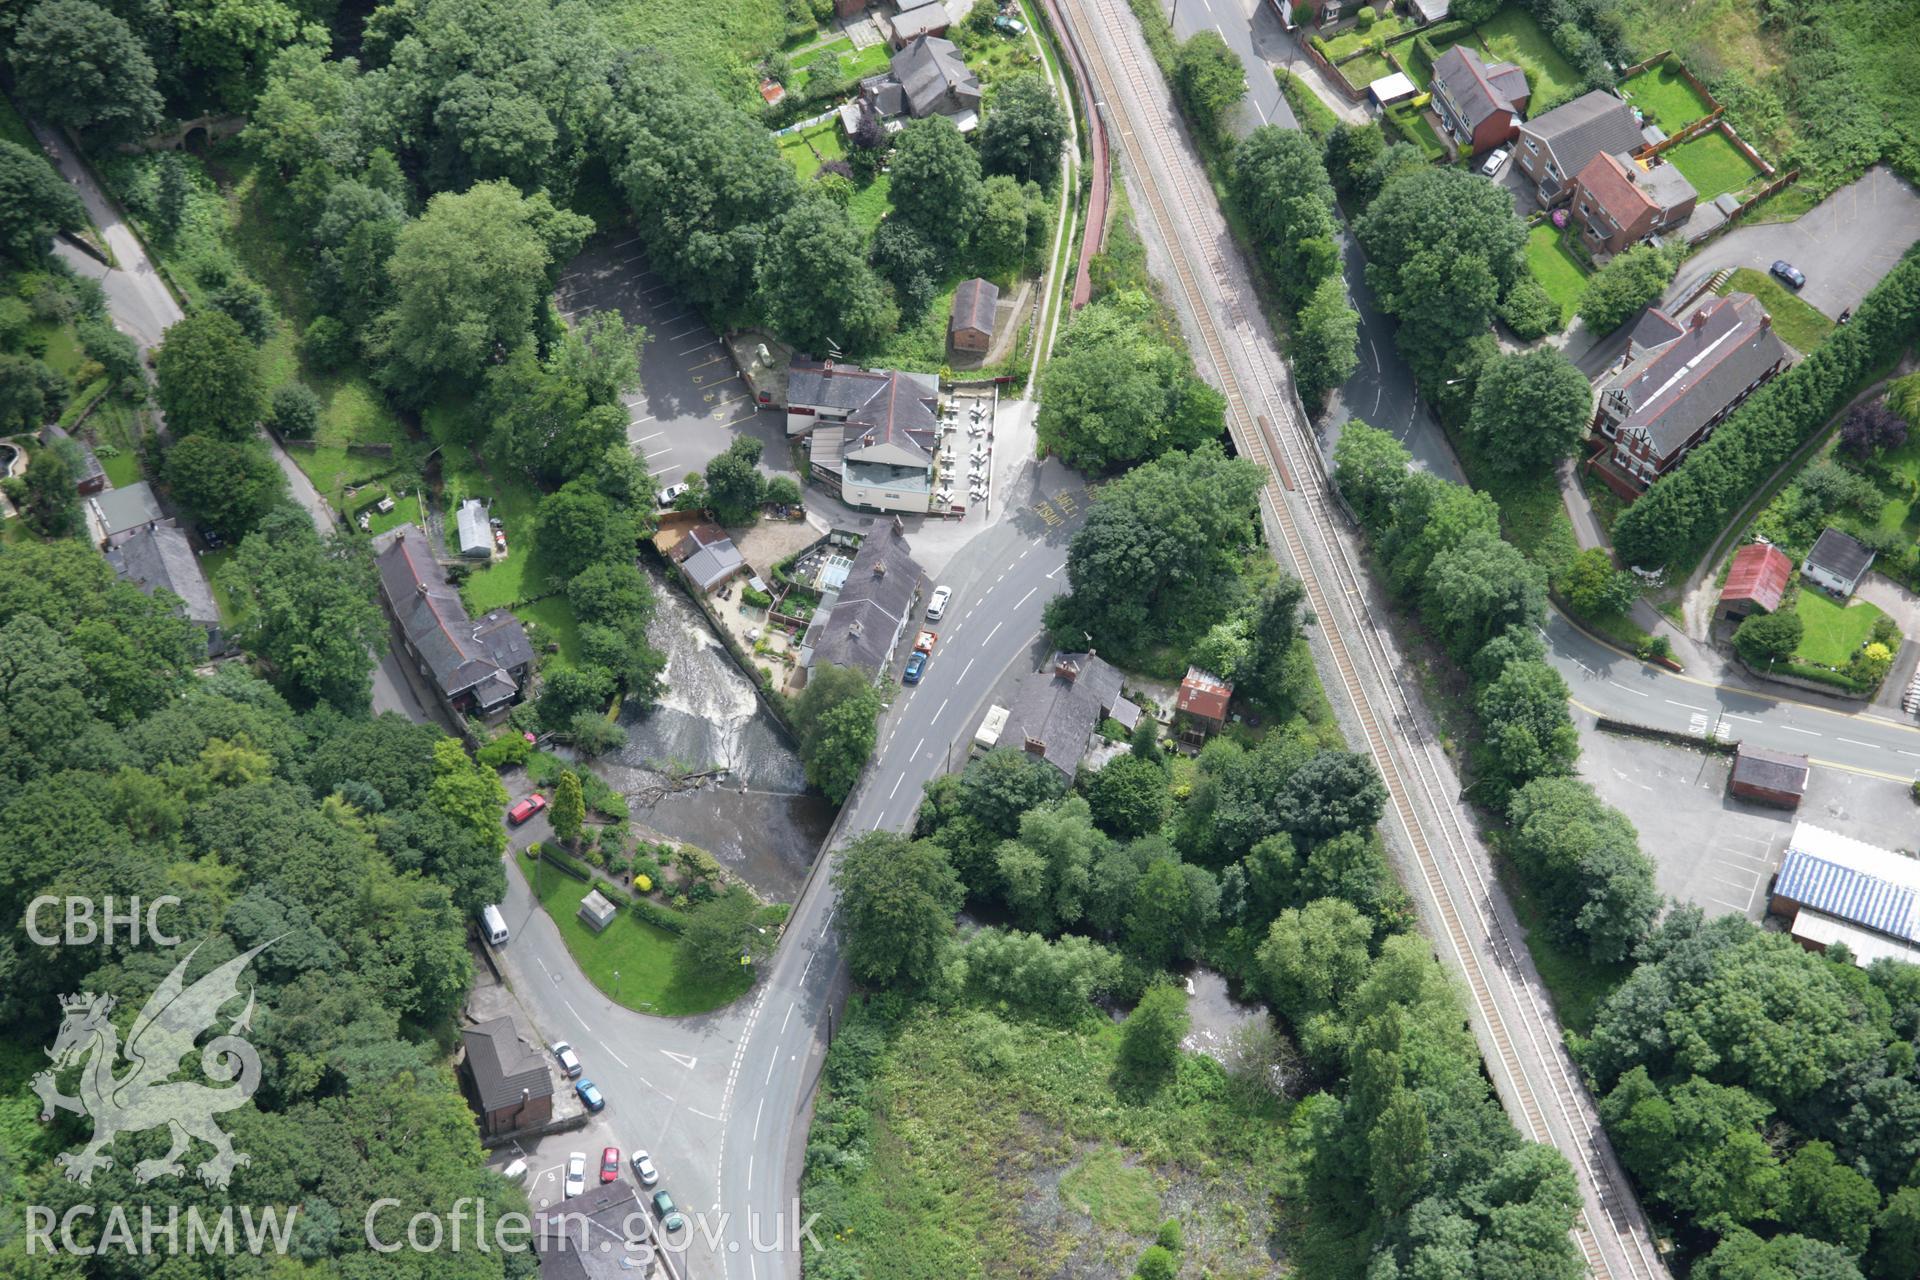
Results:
873 433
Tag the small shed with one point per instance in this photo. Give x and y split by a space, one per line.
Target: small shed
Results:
1778 778
971 328
1204 697
597 910
1756 582
476 535
1837 562
1388 90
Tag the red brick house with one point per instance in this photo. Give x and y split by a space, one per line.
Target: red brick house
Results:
1677 382
1757 581
1204 697
1480 105
1619 201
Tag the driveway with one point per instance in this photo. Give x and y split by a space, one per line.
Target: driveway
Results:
1845 245
692 402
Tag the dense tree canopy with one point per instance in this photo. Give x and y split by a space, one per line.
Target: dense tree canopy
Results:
209 378
1158 554
1025 131
1443 246
78 64
1629 282
1530 409
814 281
1210 81
35 204
835 716
1117 393
1326 341
1280 187
229 486
311 607
897 899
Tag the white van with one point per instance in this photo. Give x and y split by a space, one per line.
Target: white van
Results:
494 925
516 1172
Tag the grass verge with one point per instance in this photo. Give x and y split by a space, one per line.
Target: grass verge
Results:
1799 324
646 957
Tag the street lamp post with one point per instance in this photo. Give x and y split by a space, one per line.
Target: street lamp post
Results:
616 986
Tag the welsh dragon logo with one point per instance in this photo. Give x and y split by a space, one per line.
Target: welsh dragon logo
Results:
146 1096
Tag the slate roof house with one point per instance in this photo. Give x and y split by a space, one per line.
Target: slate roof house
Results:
1554 147
1480 105
914 20
1837 562
873 432
1677 382
116 514
159 557
1621 201
1756 582
512 1088
1056 711
860 625
477 666
707 555
601 1234
91 476
971 326
926 77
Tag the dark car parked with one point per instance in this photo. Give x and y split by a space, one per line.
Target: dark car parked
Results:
1789 273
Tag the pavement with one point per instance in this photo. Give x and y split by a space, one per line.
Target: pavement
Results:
692 402
723 1099
1844 245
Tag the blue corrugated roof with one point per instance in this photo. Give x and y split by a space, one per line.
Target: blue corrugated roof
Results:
1847 894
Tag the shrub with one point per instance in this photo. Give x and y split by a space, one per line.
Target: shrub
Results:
296 411
755 599
1366 18
1767 638
507 749
327 344
1529 310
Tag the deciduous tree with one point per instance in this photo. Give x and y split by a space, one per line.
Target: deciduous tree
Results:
1280 186
1024 132
34 204
1326 341
1115 393
815 283
310 608
1621 288
209 378
229 486
835 717
79 65
1150 1037
1530 409
1209 80
936 187
897 899
569 808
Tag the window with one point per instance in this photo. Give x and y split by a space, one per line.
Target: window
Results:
1531 145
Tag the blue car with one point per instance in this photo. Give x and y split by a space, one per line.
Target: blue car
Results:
916 666
590 1095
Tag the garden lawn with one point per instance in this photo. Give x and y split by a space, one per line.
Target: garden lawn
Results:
1364 70
1555 267
871 203
1666 95
552 619
521 576
645 955
1834 631
1354 38
1713 165
1899 512
854 64
807 150
1799 324
1413 123
1512 35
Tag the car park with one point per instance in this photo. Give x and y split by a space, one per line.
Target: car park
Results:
526 808
671 494
610 1165
669 1216
1491 165
937 605
568 1059
643 1169
1789 273
576 1174
916 667
590 1095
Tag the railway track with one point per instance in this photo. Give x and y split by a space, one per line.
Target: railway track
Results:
1611 1232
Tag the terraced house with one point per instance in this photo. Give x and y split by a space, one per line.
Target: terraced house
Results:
1679 380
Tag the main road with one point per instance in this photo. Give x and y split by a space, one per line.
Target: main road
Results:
1433 840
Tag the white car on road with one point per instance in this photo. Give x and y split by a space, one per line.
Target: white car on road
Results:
937 606
576 1174
643 1169
568 1059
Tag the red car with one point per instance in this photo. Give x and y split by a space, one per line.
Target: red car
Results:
526 808
610 1165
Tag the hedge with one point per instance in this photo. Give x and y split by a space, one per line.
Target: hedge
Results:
1687 507
653 913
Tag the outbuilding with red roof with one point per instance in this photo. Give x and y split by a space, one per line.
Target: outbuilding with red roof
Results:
1757 581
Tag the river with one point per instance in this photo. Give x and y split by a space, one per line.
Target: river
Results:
761 820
